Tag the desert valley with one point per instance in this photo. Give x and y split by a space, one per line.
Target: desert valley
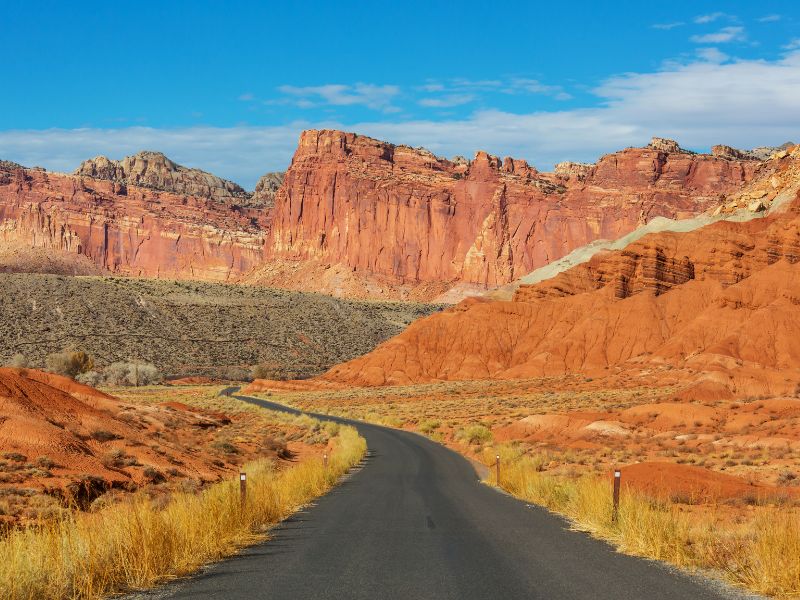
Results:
636 313
388 370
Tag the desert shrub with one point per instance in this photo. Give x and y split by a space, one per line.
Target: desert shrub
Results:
19 361
118 458
131 373
262 371
69 363
429 426
90 378
101 435
273 371
225 446
153 474
474 434
45 462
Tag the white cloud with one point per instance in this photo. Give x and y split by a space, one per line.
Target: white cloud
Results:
376 97
534 86
712 55
668 26
770 18
247 97
793 44
726 34
742 103
709 18
447 100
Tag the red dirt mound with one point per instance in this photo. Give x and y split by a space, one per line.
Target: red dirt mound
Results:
690 484
51 438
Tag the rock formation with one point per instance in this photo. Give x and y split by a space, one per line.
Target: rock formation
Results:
386 213
720 301
155 171
266 187
354 216
129 230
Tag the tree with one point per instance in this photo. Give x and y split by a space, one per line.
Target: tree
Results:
69 363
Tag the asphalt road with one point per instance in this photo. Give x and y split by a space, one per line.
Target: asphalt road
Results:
414 523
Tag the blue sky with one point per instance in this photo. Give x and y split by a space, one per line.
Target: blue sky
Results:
228 86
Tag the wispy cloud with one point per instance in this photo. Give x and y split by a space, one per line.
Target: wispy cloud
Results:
769 18
668 26
448 100
709 18
247 97
534 86
724 35
461 91
792 45
376 97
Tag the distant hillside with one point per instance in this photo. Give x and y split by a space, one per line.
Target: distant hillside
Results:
190 327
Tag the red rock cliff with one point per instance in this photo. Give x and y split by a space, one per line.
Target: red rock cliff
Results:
129 230
354 216
404 216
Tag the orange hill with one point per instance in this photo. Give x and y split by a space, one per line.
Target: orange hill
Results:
57 435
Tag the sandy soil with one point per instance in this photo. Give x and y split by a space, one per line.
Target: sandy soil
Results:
63 444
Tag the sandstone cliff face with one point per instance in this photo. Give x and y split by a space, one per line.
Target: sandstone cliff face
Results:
354 216
128 230
720 302
155 171
404 215
266 187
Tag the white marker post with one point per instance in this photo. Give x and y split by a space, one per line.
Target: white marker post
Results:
497 467
617 481
243 488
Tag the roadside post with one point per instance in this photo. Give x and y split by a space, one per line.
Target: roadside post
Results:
325 460
497 467
243 488
617 481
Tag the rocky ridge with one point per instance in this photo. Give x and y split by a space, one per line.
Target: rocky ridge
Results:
155 171
128 230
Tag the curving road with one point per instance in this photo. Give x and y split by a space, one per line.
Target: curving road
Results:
415 523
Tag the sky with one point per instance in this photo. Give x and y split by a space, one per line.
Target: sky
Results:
228 86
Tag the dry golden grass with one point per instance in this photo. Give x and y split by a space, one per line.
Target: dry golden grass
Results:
138 544
761 553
